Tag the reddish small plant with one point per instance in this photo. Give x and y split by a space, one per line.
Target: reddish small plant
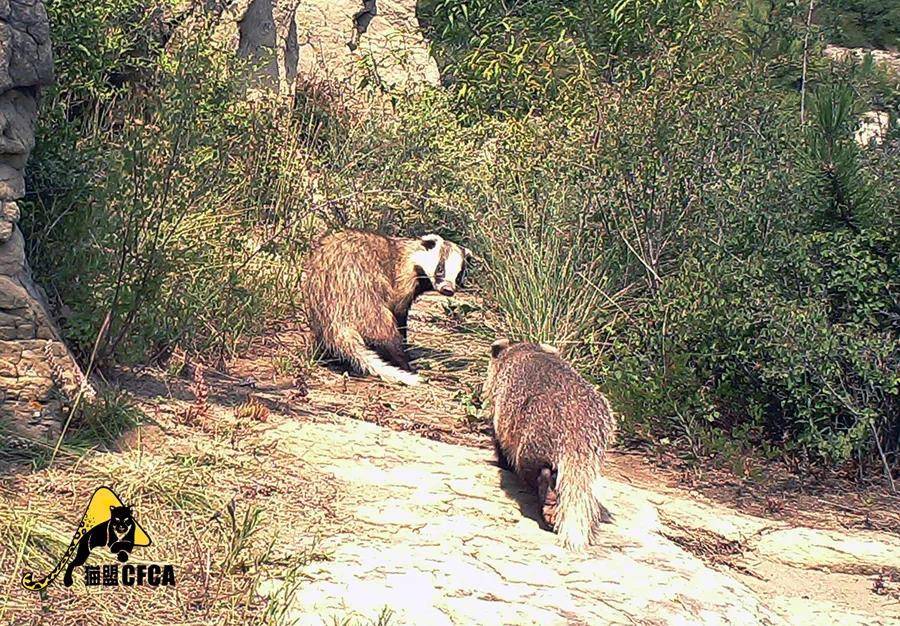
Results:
252 409
887 583
774 505
199 410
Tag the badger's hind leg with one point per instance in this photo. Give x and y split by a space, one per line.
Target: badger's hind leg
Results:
402 320
548 496
397 353
386 339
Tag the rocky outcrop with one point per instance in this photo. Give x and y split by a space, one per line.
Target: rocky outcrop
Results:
437 534
890 61
873 128
37 373
345 42
391 53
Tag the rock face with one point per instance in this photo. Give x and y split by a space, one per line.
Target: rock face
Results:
339 41
873 128
437 534
391 53
37 373
888 60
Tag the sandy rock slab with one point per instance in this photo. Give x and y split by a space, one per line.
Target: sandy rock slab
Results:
392 53
437 534
299 44
855 552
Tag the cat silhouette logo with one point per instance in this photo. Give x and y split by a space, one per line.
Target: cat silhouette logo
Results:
107 523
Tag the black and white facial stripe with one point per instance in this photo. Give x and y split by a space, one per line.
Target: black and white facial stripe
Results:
443 262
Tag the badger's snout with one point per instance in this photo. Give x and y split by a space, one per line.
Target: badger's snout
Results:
446 288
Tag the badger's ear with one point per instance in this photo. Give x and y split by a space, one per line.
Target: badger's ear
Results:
430 241
498 347
467 253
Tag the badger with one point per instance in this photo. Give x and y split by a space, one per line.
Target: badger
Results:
358 288
552 428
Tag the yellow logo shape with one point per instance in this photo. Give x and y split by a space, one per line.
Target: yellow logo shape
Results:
99 512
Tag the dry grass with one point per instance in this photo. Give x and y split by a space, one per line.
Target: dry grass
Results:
206 498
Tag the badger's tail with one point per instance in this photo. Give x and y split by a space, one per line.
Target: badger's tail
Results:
350 344
579 510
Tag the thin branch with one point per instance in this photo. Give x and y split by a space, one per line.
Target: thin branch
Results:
887 467
805 62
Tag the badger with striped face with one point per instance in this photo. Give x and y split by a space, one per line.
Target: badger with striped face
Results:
358 288
442 262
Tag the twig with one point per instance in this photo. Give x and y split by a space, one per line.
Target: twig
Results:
887 467
805 61
84 386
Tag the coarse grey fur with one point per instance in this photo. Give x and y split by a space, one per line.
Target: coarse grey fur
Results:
358 288
552 428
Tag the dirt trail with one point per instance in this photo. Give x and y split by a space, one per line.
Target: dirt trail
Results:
433 532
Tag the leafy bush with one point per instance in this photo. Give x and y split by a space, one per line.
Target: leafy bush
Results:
775 321
99 46
526 57
632 177
862 23
155 207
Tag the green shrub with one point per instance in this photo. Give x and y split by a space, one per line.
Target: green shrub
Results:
158 213
779 326
518 58
99 46
632 177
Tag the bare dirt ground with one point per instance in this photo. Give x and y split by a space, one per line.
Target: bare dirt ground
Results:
453 359
407 520
452 354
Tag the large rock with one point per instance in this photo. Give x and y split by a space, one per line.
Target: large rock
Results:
38 376
437 534
343 42
883 58
25 57
391 53
873 128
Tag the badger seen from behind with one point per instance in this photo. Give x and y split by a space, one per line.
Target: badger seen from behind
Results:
552 428
358 288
